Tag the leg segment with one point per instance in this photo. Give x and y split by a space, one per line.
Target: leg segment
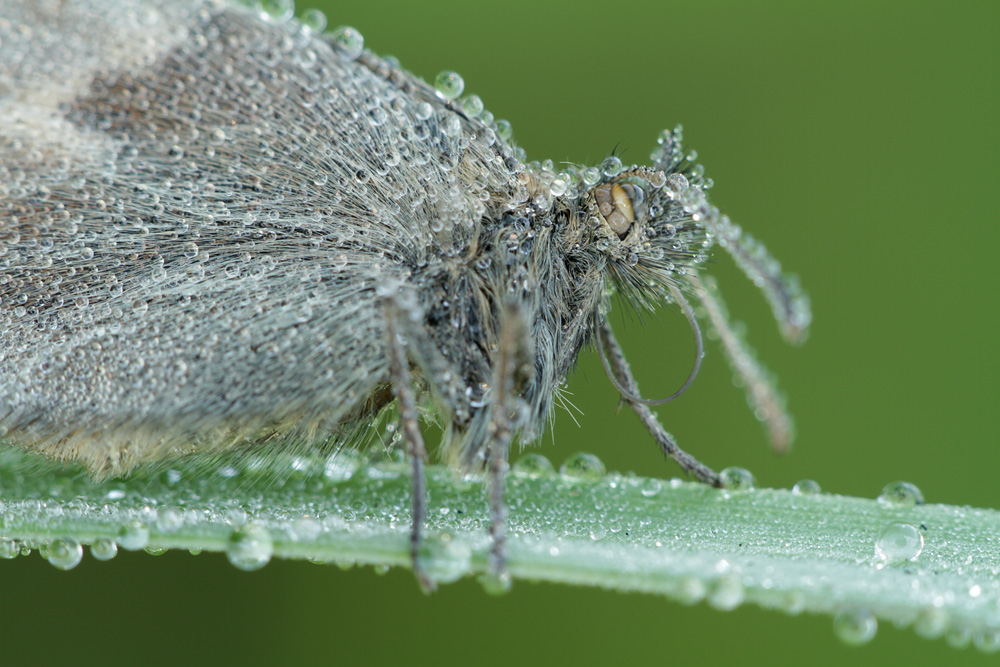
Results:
410 428
619 365
512 352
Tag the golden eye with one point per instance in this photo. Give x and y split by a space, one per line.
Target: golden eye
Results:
615 205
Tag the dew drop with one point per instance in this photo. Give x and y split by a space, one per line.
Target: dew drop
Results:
727 594
449 85
987 641
533 465
169 519
64 553
155 551
737 479
314 19
133 536
931 623
250 547
472 105
611 166
806 487
496 584
582 467
900 494
104 549
381 569
350 41
504 130
898 542
650 487
855 627
278 10
8 548
958 637
691 590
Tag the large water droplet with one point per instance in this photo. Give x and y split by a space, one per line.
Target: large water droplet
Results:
855 627
582 467
449 85
611 166
497 583
898 542
650 487
737 479
8 548
250 547
314 19
104 549
727 594
278 10
350 41
472 105
987 641
931 622
65 554
533 465
900 494
806 487
133 536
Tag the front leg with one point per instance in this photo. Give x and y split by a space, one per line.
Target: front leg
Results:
513 355
410 428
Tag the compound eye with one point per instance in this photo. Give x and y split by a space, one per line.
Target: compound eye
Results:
614 201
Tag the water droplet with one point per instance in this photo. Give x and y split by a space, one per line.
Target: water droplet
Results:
737 479
650 487
278 10
250 547
958 637
314 19
64 554
472 106
691 590
133 536
727 594
533 465
806 487
987 641
449 85
855 627
381 569
582 467
8 548
900 494
496 584
155 551
350 41
104 549
504 129
898 542
169 519
931 622
611 166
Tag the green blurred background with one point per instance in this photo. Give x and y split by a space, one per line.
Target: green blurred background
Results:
859 140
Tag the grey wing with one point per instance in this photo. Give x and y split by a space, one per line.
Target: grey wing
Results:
196 209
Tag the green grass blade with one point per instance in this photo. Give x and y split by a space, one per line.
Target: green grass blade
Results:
937 570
